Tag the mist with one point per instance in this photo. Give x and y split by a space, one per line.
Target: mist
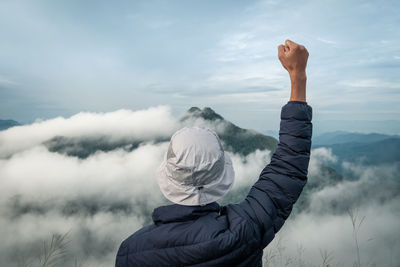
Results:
325 225
47 187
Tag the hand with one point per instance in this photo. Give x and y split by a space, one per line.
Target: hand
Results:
294 59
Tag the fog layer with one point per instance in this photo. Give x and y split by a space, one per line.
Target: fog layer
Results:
102 198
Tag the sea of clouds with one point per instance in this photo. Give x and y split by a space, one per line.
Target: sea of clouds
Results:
102 198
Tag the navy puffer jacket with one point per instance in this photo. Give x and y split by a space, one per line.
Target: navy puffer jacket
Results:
236 234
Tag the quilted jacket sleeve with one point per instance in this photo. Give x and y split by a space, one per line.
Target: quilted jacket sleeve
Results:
271 198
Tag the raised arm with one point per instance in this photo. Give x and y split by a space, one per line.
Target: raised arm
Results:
271 198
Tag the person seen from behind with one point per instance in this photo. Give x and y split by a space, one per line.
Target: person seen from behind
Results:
196 172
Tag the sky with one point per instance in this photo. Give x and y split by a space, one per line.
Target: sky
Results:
59 58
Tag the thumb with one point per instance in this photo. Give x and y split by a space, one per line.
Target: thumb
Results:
281 51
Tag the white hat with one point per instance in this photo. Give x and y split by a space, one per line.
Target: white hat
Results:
195 170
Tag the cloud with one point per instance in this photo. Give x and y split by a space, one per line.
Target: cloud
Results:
371 83
248 169
326 226
4 81
100 199
326 41
322 155
378 237
374 185
150 124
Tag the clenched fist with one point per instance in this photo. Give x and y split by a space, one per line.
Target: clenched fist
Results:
294 59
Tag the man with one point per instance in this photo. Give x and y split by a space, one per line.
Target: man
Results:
196 172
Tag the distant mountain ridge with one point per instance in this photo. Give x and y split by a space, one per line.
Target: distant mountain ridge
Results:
370 153
369 149
340 137
5 124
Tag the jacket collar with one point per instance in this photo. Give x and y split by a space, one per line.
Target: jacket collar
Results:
179 213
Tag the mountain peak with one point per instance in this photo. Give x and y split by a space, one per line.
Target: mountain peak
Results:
194 110
234 138
206 113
